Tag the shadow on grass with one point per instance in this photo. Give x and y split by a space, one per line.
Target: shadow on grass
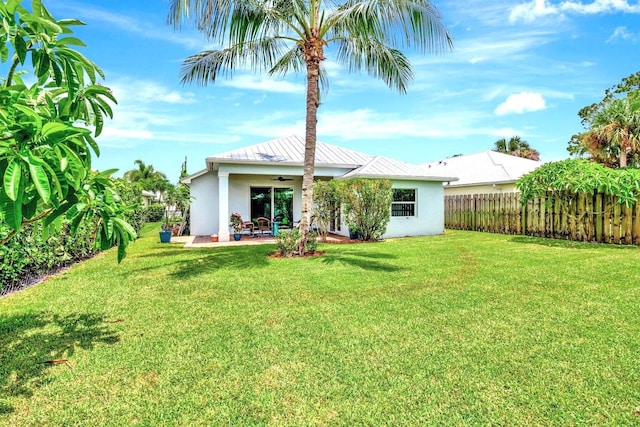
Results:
187 263
568 244
371 261
29 341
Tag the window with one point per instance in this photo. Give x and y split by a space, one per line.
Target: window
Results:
404 202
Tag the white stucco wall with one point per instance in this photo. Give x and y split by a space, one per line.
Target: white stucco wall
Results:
204 207
429 217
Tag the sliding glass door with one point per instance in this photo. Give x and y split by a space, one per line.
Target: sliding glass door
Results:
260 202
283 205
271 202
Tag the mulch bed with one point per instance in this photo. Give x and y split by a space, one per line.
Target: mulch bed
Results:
306 255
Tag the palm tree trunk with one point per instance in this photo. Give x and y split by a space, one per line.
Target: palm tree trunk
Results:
623 158
313 73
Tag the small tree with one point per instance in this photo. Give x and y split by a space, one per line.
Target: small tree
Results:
367 206
178 198
326 202
45 145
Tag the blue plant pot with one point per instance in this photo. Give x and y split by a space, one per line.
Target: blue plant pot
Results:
237 237
165 237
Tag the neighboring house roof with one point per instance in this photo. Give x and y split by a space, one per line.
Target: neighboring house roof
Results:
146 193
486 167
290 151
384 167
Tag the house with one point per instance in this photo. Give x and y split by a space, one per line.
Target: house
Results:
266 180
482 173
149 197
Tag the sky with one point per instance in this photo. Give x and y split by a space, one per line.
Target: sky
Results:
517 68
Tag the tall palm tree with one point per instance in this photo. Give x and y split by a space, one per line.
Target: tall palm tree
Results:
516 146
280 36
614 133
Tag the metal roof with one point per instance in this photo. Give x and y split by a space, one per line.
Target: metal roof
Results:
486 167
290 150
384 167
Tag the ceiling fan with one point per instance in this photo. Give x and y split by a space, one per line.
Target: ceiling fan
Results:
281 179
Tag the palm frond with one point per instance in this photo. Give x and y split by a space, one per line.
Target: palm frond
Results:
210 17
293 61
206 66
397 23
239 20
378 60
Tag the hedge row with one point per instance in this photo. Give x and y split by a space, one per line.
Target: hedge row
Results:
29 255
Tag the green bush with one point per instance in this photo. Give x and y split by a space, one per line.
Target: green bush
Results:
326 200
581 176
30 254
131 197
312 242
154 212
287 241
367 206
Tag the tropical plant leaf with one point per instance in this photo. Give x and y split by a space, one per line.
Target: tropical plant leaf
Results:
40 179
12 179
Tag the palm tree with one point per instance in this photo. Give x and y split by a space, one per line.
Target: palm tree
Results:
147 177
516 146
280 36
614 133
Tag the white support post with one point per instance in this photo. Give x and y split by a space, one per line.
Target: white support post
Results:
223 207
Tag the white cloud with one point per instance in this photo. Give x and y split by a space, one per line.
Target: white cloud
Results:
534 9
530 11
521 103
263 84
148 92
369 125
624 34
488 47
192 41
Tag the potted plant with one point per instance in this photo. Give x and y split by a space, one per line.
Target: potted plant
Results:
165 232
235 222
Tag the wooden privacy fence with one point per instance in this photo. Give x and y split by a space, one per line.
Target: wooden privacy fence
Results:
580 217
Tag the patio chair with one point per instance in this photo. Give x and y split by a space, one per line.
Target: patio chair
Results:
264 225
248 226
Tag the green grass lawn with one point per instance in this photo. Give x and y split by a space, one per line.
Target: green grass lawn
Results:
460 329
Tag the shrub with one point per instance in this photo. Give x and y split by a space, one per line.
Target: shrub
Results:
30 253
130 196
312 242
326 200
154 212
367 205
287 241
581 176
